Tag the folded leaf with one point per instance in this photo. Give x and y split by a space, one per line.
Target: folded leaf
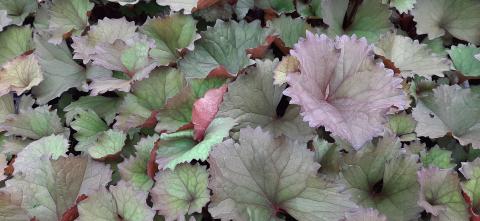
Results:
440 194
177 111
471 171
410 56
104 107
261 175
402 125
88 126
180 150
205 109
458 17
171 34
122 201
181 191
20 75
449 109
134 168
224 46
350 94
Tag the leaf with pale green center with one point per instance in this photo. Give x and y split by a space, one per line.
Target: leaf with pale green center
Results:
463 58
181 191
403 6
33 123
289 29
223 45
68 16
471 171
171 34
403 126
60 71
243 103
18 10
380 176
184 149
15 41
261 175
201 86
50 186
437 157
364 23
106 144
410 56
134 168
123 200
449 109
20 75
441 195
459 18
177 111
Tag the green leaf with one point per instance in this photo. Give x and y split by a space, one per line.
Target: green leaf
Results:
381 177
60 71
364 23
183 149
88 125
328 156
104 107
403 126
449 109
243 103
437 157
107 143
68 16
471 171
180 192
123 201
134 168
410 56
289 29
171 34
464 61
15 41
312 9
263 175
50 187
441 195
33 123
18 10
459 18
131 113
177 5
177 112
201 86
224 46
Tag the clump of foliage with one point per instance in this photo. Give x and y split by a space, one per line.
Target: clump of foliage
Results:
309 110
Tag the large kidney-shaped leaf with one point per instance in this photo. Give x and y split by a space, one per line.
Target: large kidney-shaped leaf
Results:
123 200
459 18
223 46
410 57
179 192
262 175
380 176
449 109
106 144
49 187
14 41
66 16
341 87
244 103
441 195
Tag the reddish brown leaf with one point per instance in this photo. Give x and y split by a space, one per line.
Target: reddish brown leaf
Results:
72 213
205 109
